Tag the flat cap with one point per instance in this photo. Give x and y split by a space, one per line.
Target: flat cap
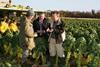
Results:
30 13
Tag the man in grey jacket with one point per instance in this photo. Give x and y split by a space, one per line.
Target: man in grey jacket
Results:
56 28
27 35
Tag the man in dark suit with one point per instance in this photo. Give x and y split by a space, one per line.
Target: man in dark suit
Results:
40 26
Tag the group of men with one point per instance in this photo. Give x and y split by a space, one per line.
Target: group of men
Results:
48 31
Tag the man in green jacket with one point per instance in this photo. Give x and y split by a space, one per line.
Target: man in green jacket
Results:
27 35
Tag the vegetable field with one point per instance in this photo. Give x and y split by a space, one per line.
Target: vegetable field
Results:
82 45
82 42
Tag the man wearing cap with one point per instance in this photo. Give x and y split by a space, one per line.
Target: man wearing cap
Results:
27 35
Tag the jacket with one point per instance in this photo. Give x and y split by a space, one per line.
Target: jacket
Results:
26 34
38 25
58 29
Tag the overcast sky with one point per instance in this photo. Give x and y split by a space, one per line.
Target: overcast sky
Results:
71 5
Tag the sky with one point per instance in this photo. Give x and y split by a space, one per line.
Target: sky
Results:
71 5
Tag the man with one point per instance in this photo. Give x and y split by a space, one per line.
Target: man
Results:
40 25
56 28
27 35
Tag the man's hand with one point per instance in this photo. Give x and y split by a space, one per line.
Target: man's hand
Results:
49 30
